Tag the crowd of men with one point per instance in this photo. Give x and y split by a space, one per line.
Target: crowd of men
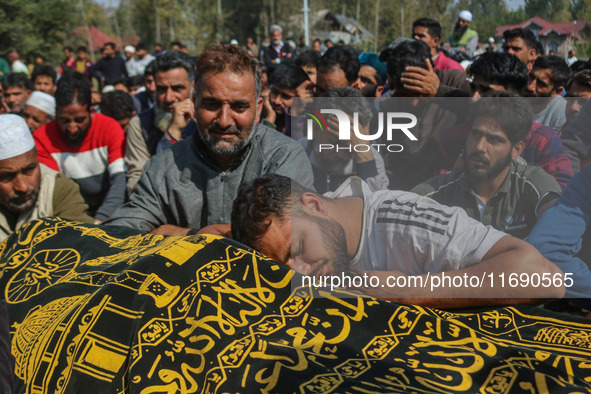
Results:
175 145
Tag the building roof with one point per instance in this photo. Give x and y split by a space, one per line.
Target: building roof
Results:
99 38
545 28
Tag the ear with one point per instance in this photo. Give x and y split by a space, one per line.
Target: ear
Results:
558 91
313 204
436 41
379 91
517 149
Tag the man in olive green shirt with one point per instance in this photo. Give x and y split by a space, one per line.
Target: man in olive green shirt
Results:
29 190
494 185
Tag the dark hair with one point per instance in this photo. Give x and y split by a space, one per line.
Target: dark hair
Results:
539 48
137 80
17 80
81 48
174 59
68 48
117 104
513 114
362 106
433 27
578 66
560 70
525 34
110 44
289 76
44 70
176 43
149 70
582 78
501 69
233 58
308 58
122 80
260 201
140 46
407 53
73 88
343 56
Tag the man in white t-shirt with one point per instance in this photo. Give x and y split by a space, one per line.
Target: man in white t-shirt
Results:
386 233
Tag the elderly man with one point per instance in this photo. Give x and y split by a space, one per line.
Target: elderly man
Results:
40 110
278 52
173 77
193 184
387 234
29 190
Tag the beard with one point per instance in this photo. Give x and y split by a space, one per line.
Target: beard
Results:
335 243
458 32
485 175
12 204
222 146
162 119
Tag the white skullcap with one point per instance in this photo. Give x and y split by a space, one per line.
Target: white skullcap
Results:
234 42
15 137
466 15
107 89
490 39
129 48
42 101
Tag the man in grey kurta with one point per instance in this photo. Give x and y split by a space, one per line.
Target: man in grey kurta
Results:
194 183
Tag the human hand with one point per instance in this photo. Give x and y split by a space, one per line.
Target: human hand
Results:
170 229
184 111
420 81
225 230
270 115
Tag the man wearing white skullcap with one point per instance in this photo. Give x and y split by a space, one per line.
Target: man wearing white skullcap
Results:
39 110
463 41
29 190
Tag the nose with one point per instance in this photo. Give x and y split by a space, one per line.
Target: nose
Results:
170 97
300 266
531 85
481 144
20 184
31 124
225 117
357 84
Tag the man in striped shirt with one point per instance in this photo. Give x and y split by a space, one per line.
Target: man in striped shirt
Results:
84 146
386 234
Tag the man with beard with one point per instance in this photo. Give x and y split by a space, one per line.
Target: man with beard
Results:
386 234
277 52
173 77
29 190
85 146
496 186
463 41
494 72
547 80
193 184
17 89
